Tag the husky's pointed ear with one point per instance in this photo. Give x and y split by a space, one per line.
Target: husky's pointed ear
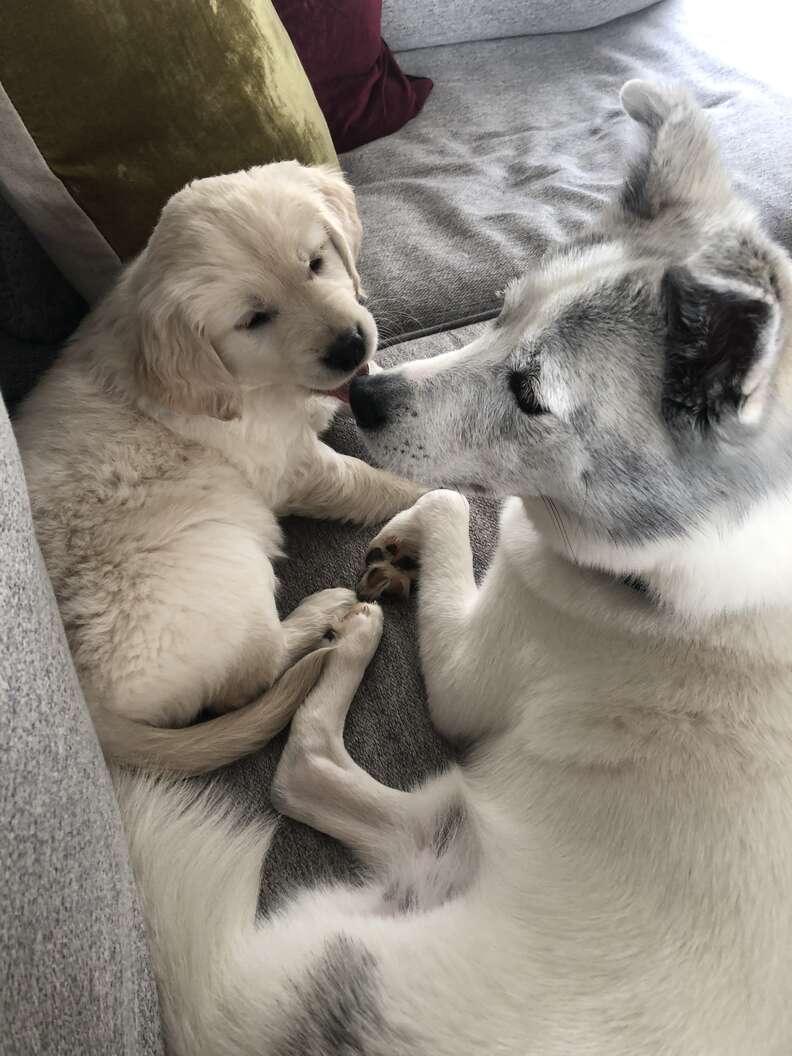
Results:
679 163
341 218
722 344
179 367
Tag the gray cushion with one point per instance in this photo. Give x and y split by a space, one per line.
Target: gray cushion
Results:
76 979
522 140
424 23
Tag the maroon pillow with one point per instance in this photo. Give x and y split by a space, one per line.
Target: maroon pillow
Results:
360 88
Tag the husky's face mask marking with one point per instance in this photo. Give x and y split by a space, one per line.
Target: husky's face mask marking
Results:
631 376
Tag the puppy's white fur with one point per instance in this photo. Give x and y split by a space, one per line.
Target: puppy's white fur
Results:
163 446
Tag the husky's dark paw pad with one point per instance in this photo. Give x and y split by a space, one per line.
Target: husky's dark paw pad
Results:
391 569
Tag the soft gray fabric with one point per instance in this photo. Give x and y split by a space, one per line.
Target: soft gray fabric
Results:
426 23
74 968
388 730
522 140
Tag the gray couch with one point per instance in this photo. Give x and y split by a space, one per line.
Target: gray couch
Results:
519 144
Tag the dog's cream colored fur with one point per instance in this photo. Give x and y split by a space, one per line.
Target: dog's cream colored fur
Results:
163 446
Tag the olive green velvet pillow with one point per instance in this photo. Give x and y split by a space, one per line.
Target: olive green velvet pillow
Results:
109 106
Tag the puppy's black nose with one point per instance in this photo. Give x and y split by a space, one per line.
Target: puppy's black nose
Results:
370 397
347 351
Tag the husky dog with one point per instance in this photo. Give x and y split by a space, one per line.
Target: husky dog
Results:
609 870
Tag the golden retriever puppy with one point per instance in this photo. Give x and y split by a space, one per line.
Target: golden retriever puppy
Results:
181 420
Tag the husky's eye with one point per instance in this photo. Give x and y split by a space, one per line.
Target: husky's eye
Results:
316 265
522 389
256 319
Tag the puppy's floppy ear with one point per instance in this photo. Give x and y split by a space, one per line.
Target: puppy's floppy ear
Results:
179 367
340 217
722 344
680 162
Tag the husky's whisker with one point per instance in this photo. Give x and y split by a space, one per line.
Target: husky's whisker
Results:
559 523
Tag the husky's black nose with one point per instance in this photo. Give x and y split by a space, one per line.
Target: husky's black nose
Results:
371 398
347 351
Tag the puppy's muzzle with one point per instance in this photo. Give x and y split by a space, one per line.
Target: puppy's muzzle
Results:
346 352
376 398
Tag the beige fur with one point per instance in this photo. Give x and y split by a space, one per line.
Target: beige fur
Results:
164 444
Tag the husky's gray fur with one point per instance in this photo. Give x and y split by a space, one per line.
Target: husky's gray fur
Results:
634 431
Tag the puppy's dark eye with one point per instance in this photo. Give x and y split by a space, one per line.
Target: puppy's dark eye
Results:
522 388
256 319
316 264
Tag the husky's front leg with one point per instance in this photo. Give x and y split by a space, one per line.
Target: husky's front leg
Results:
318 783
435 532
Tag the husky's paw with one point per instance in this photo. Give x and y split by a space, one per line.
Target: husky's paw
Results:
321 613
358 632
393 555
391 569
392 559
307 775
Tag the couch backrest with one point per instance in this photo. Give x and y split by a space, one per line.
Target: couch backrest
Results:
408 24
